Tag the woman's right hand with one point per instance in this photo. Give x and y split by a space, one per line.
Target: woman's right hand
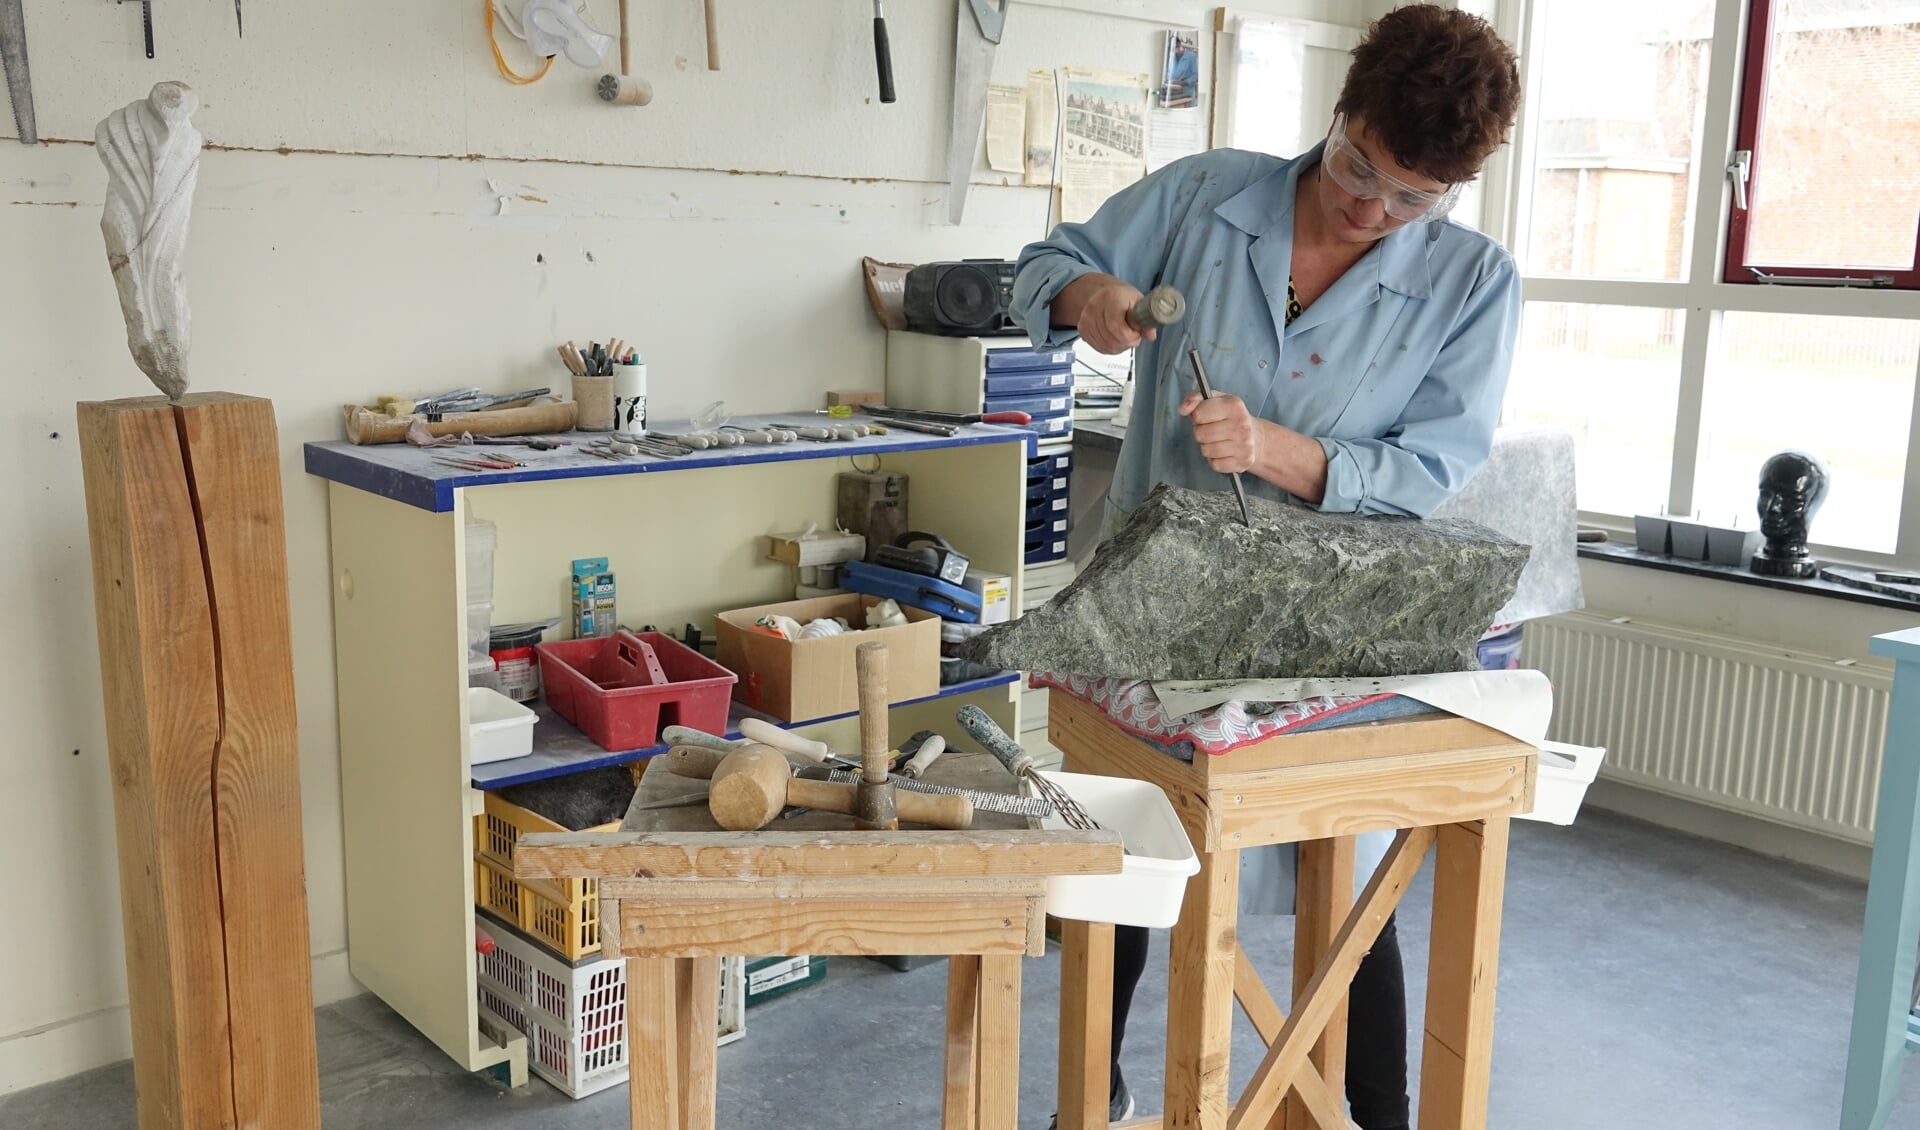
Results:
1103 320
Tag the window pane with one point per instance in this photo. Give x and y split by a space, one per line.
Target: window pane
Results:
1621 94
1836 179
1840 388
1611 376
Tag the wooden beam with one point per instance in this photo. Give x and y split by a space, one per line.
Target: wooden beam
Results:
1323 801
1200 995
1346 744
653 1060
1322 900
824 926
960 1099
999 1052
1091 743
1269 1021
1086 1024
1329 984
1469 883
778 855
697 1036
894 890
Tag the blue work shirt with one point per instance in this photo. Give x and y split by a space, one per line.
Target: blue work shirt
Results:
1398 369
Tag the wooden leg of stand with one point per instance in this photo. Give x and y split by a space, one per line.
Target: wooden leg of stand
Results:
653 1038
1200 996
1469 882
1323 896
1086 1023
960 1105
999 1051
697 1012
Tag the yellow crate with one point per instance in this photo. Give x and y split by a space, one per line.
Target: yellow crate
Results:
563 914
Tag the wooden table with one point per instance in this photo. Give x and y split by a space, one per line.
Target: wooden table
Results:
677 894
1442 782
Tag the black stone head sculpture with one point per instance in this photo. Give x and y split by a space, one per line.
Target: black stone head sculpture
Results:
1793 484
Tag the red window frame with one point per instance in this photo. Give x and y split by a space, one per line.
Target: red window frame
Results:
1753 101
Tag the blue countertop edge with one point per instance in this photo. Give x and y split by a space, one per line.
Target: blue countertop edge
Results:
408 474
535 767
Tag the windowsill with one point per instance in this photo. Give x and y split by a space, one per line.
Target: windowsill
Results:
1625 554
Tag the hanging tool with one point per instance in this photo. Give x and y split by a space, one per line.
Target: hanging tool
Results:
13 55
1161 306
974 43
623 89
1206 393
713 39
882 52
239 23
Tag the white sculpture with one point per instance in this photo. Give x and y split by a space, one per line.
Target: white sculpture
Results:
152 155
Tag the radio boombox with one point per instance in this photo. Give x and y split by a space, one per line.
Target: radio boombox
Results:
970 298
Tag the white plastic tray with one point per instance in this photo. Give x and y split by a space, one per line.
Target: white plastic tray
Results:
1565 773
1153 879
497 727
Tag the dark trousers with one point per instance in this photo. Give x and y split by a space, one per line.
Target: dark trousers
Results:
1376 1024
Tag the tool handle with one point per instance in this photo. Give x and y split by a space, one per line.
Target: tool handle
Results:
993 739
766 733
883 54
954 813
626 58
870 670
930 749
1006 418
750 787
688 736
699 762
713 39
1161 306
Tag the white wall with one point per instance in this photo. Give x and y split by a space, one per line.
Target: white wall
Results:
349 239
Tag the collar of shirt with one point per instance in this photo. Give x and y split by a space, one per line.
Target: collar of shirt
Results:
1264 210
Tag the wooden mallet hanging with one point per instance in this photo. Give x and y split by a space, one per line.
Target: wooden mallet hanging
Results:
623 89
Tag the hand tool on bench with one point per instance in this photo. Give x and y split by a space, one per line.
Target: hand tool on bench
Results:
952 419
1020 763
751 786
1161 306
1206 393
874 806
699 762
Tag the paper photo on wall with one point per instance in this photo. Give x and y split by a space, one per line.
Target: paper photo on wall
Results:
1180 72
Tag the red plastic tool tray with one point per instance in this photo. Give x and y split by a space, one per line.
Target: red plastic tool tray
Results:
623 690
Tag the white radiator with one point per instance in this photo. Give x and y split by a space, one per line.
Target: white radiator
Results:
1784 736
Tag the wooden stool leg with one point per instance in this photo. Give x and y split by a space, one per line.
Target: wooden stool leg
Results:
999 1053
1322 898
1086 1023
697 1008
653 1060
960 1105
1200 996
1469 880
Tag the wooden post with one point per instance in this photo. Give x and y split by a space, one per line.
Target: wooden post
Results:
697 1002
653 1038
1469 881
1321 902
1086 1024
960 1099
190 593
998 1055
1200 996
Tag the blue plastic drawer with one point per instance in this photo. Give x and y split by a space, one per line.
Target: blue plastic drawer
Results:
1045 509
1049 487
1055 526
1054 549
1020 383
1059 404
1004 360
1050 463
1047 427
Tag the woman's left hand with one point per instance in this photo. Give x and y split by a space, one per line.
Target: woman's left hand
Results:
1229 436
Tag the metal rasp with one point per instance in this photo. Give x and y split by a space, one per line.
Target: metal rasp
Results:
976 37
1008 804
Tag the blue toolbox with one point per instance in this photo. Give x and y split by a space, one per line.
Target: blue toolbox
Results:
914 589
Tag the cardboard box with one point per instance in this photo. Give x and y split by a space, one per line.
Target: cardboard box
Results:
996 595
796 680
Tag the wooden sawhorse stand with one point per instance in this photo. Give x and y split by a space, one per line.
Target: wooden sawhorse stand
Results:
674 903
1444 782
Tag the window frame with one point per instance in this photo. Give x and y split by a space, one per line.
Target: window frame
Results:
1702 292
1740 269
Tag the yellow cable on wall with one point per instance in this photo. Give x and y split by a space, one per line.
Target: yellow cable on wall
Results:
500 60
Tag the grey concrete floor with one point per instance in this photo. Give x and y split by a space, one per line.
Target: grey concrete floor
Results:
1647 980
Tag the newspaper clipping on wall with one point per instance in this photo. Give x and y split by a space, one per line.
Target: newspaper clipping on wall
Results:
1043 125
1104 139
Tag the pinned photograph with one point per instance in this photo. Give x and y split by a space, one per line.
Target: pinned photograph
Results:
1180 77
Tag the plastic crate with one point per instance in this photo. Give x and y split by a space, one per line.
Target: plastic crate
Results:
770 977
622 691
574 1014
562 913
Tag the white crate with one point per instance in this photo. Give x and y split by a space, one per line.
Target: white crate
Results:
575 1016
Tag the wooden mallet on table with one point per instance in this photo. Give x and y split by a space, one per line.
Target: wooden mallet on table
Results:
751 785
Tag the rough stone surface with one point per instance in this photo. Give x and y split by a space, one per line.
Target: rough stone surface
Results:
1185 591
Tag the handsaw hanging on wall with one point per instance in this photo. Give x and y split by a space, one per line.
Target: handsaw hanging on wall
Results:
13 55
981 23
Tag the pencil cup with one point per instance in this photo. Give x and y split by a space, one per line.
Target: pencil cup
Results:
594 398
630 397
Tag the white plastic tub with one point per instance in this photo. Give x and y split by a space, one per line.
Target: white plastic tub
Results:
1153 878
497 727
1565 773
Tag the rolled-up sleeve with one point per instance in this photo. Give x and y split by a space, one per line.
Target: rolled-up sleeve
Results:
1127 238
1443 437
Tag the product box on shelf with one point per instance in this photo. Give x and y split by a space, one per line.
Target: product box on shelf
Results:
795 680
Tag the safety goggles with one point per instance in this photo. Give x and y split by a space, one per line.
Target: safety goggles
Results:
1358 177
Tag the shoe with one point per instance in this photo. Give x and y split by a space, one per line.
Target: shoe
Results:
1119 1103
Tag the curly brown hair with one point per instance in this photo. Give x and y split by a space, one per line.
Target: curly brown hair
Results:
1438 87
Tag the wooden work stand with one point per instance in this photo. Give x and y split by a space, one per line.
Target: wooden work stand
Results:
1447 783
674 903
